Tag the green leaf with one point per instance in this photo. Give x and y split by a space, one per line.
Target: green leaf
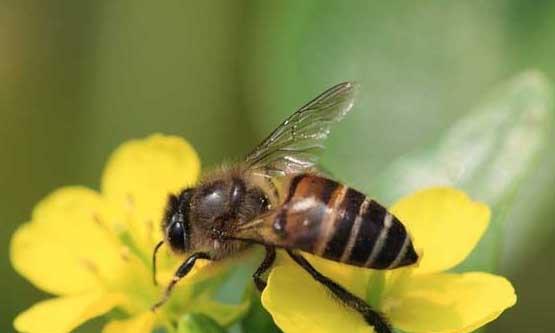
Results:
487 153
257 319
223 311
413 76
224 314
198 323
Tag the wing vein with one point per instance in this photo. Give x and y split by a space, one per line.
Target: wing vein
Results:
293 147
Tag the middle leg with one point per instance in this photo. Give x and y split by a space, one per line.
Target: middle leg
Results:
264 266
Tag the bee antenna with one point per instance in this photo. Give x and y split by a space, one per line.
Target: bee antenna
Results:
154 262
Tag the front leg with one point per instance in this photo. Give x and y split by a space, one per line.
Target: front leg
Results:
266 263
179 274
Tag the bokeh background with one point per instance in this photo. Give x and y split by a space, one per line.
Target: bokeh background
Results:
77 78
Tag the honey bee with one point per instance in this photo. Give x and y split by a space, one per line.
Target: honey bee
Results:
277 198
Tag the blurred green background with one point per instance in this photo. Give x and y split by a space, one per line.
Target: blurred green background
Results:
78 78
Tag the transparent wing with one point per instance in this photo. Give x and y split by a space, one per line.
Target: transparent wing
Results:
294 146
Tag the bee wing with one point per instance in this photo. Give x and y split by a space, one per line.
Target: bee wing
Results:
293 147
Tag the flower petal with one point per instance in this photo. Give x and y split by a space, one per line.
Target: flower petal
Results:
63 314
64 249
448 303
445 225
142 323
297 303
141 173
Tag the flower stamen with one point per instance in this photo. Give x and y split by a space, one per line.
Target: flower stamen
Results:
130 201
125 253
92 267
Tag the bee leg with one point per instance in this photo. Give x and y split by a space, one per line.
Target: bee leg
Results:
266 263
370 316
179 274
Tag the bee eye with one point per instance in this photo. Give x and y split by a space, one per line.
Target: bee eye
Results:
176 236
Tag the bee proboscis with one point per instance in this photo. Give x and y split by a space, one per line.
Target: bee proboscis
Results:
277 197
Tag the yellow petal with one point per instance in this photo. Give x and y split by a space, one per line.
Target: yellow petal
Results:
139 324
143 293
141 173
64 249
297 303
63 314
445 225
448 303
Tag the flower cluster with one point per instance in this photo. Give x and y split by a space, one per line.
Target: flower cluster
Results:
92 250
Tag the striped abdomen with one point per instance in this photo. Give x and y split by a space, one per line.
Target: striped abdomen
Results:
330 220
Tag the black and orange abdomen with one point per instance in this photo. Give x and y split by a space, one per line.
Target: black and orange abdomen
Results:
331 220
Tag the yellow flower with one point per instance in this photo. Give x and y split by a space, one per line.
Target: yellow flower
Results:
445 225
92 249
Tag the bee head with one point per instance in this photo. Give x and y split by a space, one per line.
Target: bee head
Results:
176 225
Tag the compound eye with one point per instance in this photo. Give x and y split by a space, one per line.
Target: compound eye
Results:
176 236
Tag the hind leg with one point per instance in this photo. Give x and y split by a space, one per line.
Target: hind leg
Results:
372 317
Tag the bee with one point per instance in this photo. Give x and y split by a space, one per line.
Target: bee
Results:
276 197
